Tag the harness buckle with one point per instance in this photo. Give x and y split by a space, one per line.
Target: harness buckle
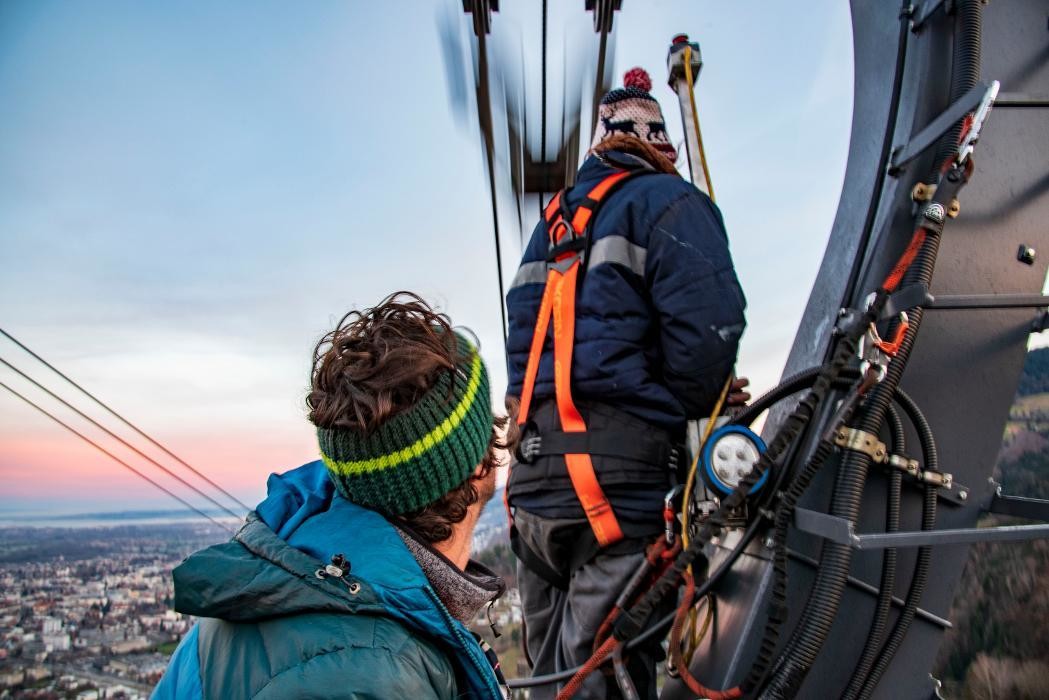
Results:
566 246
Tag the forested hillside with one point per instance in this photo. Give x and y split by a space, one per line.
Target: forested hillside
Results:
999 647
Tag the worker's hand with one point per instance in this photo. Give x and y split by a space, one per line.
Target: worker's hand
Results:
737 396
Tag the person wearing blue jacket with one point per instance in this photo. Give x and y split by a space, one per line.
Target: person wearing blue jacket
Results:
352 579
658 318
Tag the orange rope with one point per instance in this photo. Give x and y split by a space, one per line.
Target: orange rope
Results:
675 650
573 686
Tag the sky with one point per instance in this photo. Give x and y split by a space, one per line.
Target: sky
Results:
192 193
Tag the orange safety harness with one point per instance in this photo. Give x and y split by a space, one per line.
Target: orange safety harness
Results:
569 236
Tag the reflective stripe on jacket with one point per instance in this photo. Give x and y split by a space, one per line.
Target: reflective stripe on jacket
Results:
659 311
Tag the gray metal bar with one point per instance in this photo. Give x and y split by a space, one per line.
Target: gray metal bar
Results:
902 155
988 301
827 526
1019 99
1020 507
965 535
873 590
841 531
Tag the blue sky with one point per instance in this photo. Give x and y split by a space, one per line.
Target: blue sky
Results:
192 193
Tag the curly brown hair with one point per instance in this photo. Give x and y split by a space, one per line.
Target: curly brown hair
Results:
375 365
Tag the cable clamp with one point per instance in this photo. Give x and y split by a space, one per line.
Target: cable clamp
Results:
910 467
940 479
904 464
861 441
924 193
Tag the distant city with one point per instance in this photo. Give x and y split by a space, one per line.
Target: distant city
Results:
85 606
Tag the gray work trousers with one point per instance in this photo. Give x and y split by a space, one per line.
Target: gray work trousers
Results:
560 625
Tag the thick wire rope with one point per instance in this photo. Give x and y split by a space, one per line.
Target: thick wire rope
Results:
542 106
484 117
116 437
116 459
123 420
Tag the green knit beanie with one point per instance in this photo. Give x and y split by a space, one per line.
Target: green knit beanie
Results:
421 454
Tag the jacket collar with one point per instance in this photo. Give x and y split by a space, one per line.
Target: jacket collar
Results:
463 592
272 568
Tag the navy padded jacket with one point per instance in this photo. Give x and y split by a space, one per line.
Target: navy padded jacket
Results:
659 311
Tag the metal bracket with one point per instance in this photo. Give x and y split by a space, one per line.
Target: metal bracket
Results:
840 530
905 299
1019 99
956 494
989 301
1019 506
902 155
861 441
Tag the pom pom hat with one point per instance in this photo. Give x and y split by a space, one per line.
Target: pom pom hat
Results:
633 111
417 456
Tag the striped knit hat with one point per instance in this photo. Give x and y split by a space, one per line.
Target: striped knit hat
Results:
632 111
419 455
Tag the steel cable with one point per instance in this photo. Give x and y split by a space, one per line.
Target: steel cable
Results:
117 459
123 420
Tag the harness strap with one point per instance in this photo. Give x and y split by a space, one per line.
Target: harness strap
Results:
558 302
633 444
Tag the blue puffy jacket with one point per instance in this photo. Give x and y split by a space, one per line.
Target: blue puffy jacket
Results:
272 629
659 311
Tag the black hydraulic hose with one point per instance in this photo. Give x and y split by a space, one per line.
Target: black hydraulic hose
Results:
887 585
965 71
630 624
930 462
914 594
791 385
964 76
822 606
835 560
777 613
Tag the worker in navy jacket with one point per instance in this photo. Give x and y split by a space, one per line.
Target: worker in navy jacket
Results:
658 318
